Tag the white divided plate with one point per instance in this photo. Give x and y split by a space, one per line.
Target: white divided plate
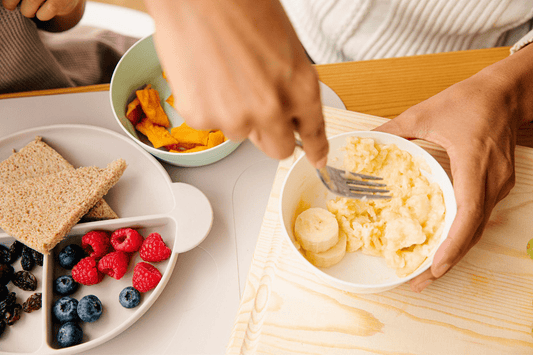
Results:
145 198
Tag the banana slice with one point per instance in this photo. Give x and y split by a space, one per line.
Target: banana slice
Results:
329 257
316 230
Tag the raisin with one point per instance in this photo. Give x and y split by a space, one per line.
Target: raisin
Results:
25 280
10 300
3 326
12 313
27 261
6 273
5 255
33 303
37 257
4 292
16 250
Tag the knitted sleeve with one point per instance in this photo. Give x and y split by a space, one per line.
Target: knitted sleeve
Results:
524 41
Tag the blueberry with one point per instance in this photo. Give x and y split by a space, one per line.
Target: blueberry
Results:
65 309
129 297
69 334
70 255
65 285
90 308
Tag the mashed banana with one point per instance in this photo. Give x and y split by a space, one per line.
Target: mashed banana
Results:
405 229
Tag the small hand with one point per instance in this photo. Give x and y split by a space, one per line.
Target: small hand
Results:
44 10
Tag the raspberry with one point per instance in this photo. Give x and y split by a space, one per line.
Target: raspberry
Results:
114 264
96 243
86 272
145 277
127 240
154 249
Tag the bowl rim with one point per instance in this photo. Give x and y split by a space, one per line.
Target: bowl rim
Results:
354 287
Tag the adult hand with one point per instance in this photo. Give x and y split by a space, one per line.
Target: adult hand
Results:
475 121
238 66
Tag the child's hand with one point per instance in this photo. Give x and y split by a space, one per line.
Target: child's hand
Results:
44 10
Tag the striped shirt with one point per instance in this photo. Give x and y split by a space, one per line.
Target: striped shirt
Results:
345 30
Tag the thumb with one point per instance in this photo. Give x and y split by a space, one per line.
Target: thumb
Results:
402 126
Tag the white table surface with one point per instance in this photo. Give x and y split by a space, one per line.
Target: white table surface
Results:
196 311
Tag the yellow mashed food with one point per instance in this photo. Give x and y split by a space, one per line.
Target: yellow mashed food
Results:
404 229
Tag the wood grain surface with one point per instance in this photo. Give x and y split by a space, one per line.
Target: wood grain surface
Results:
482 306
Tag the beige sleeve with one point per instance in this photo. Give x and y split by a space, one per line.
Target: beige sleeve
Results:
524 41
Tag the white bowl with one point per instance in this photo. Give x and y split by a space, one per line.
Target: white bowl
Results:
140 66
357 272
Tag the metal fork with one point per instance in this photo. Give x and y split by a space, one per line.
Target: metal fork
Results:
351 185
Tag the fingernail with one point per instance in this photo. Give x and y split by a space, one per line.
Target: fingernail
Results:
441 270
420 287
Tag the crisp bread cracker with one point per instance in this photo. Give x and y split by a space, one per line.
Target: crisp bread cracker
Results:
36 159
40 211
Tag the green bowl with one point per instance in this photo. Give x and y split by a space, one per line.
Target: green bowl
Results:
140 66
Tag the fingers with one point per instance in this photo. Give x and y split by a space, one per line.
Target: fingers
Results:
10 4
313 134
309 119
44 10
28 8
468 225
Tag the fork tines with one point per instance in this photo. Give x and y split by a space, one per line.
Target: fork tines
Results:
359 186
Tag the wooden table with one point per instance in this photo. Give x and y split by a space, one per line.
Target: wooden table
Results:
483 306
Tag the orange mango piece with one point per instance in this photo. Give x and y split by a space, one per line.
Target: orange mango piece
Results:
134 111
215 138
151 105
187 135
198 148
170 100
157 135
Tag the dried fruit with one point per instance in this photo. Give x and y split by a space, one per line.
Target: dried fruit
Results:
12 313
114 264
4 292
154 249
96 243
27 261
6 273
16 250
127 240
86 272
10 300
3 326
33 303
145 277
37 257
5 255
25 280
